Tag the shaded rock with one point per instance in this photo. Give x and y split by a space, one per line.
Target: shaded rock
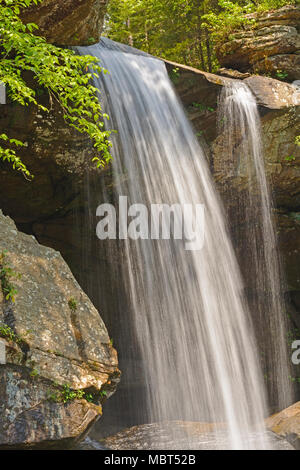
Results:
288 227
270 45
54 153
68 22
199 93
60 158
287 424
295 304
282 156
59 346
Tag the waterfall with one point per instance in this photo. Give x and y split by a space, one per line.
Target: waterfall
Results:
185 307
254 233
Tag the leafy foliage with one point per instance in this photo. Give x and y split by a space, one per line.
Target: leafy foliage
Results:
8 333
10 154
63 74
185 31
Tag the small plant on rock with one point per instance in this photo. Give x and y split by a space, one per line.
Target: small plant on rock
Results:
290 158
281 74
34 373
9 334
65 394
103 393
6 273
72 304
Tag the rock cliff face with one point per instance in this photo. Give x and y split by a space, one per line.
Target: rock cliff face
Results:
57 363
68 22
270 45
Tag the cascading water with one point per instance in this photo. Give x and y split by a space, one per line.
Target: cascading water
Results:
254 233
186 307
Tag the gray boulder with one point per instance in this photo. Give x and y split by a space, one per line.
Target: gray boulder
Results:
58 364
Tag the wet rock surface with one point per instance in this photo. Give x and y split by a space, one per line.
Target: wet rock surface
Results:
59 339
178 435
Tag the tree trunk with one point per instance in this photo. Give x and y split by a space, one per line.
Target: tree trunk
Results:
208 50
130 38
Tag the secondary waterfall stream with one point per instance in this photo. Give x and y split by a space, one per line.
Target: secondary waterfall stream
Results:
186 308
254 233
